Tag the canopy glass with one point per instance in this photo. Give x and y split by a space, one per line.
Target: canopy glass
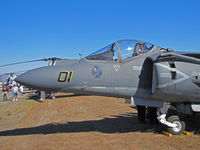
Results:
121 49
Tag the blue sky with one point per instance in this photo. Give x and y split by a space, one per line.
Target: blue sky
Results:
34 29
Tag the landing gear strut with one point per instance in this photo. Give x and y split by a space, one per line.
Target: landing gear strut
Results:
174 125
141 113
166 117
147 113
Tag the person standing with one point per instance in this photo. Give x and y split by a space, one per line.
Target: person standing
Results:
15 92
21 90
5 93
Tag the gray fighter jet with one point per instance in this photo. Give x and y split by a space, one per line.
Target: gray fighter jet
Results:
163 84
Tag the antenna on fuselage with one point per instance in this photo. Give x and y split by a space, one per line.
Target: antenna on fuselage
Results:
81 55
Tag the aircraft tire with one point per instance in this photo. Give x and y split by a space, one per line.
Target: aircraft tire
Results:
141 113
181 125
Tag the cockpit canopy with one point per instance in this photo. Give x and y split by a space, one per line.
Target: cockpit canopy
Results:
121 50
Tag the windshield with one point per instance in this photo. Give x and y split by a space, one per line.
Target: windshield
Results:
121 50
105 53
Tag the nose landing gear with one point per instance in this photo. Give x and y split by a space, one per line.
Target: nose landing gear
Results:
180 125
172 121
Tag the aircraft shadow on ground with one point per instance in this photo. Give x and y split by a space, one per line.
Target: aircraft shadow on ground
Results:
116 124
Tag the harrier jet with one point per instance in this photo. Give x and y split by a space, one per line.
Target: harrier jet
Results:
163 84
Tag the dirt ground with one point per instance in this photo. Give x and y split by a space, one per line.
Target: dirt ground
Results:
73 122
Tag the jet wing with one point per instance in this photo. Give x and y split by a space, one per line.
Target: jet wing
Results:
191 54
187 57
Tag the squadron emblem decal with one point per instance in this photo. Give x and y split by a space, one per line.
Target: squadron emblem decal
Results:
97 72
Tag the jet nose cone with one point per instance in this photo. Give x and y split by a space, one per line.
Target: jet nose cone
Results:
42 78
36 78
19 79
24 79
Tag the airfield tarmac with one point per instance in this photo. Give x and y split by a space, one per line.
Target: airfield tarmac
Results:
76 122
